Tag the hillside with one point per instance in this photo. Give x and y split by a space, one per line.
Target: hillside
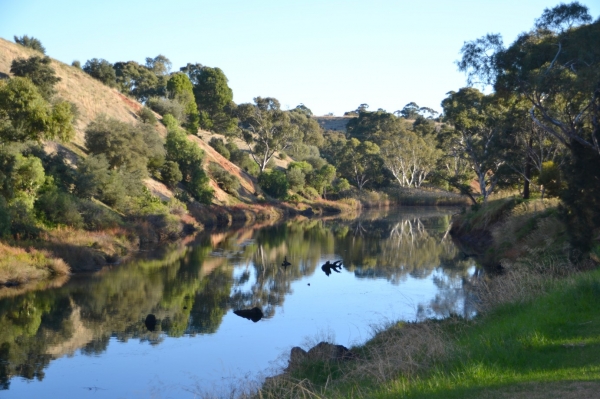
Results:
93 98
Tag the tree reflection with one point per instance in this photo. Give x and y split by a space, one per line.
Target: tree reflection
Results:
190 289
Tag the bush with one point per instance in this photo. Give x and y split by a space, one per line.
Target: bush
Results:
243 160
101 70
147 116
4 218
58 207
97 217
309 193
164 106
224 179
170 174
220 147
274 183
296 179
30 42
76 64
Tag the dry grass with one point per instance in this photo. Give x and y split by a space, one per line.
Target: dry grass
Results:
91 96
18 265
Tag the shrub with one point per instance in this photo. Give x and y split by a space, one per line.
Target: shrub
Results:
4 218
296 178
30 42
38 70
309 193
96 216
274 183
76 64
241 159
164 106
170 174
58 207
147 116
224 179
101 70
220 147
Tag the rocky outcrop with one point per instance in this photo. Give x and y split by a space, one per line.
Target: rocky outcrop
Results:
323 351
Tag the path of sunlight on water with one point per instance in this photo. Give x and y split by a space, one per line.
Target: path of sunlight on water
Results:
89 338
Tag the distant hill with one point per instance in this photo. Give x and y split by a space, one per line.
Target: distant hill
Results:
337 123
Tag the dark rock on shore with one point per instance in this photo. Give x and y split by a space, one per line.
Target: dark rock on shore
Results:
323 351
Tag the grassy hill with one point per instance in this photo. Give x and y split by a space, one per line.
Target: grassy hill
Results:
93 98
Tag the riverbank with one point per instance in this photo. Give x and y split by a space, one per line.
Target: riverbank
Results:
537 333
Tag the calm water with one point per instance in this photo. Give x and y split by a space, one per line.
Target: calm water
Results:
90 337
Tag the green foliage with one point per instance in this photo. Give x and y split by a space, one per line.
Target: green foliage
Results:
101 70
159 65
220 147
137 80
170 174
56 207
147 116
38 70
189 158
97 216
296 179
224 179
124 145
268 128
241 159
181 89
25 115
214 99
97 180
550 179
309 193
360 163
30 42
321 178
4 218
76 64
164 106
274 183
341 185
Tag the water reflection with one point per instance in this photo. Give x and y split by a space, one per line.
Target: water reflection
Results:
189 289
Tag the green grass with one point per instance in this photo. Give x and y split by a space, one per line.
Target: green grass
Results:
553 338
548 346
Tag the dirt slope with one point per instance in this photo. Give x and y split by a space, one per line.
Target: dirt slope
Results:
91 97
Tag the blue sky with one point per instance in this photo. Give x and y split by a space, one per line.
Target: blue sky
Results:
331 55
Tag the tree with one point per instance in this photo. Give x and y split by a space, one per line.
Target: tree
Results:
409 158
266 129
274 183
214 99
30 42
160 65
360 162
38 70
102 70
312 133
137 80
374 126
122 144
189 158
180 88
26 115
476 121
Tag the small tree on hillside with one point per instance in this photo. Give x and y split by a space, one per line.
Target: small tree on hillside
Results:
30 42
102 70
38 70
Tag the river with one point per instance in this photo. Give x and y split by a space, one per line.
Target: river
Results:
93 337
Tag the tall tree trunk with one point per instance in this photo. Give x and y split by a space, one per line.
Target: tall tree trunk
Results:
527 171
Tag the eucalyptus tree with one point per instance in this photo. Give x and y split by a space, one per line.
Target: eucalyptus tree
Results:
477 123
556 68
360 163
266 129
409 158
137 80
